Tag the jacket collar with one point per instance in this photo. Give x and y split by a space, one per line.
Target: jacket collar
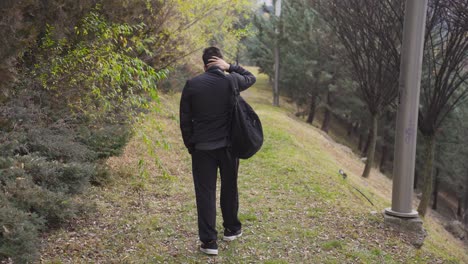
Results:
215 70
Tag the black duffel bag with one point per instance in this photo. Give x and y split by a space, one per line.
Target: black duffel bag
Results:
246 133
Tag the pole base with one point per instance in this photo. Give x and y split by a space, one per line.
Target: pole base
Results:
413 213
409 226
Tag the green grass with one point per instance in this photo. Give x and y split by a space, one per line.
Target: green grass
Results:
294 206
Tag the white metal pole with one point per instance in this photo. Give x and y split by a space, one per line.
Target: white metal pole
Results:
407 114
277 57
278 8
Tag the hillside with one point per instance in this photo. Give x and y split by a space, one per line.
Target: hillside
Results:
294 205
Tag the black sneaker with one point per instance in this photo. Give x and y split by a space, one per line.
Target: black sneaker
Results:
230 235
210 248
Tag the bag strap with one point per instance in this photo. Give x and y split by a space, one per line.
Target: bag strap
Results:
235 98
234 85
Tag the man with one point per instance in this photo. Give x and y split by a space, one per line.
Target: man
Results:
205 109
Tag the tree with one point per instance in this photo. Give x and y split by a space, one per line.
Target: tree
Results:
370 32
22 23
313 73
305 64
260 50
310 65
74 77
444 84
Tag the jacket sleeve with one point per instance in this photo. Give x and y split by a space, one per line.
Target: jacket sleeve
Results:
245 79
186 125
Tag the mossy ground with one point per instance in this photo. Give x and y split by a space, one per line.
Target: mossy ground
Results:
294 205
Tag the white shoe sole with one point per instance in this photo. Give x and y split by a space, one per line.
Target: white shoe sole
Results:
231 238
209 251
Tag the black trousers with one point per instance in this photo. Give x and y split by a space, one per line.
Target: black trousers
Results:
205 164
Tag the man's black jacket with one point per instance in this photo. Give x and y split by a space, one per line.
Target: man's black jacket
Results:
206 105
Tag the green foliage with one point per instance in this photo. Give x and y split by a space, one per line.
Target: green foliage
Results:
54 208
444 79
74 79
69 178
450 153
83 90
310 62
97 71
101 176
5 163
18 234
36 194
24 21
329 245
106 141
262 43
57 144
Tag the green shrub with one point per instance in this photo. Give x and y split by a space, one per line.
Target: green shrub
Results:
107 141
5 163
10 174
71 178
102 175
19 234
63 117
58 145
7 148
42 166
54 208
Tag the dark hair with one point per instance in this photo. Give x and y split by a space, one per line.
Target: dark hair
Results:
209 52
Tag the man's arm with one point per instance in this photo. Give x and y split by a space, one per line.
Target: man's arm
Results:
245 79
186 126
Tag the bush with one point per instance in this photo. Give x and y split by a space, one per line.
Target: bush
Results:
107 141
102 175
9 176
5 162
19 234
70 178
40 171
55 208
64 116
42 166
58 145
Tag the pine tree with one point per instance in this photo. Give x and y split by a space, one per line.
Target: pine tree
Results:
444 84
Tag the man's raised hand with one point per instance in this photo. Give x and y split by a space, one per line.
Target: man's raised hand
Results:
218 62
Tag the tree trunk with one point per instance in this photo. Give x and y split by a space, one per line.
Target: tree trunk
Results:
415 181
327 117
383 157
355 127
276 81
465 204
361 139
427 174
368 141
459 207
435 193
275 98
350 129
313 105
385 141
371 147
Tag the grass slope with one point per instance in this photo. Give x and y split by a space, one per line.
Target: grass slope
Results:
294 205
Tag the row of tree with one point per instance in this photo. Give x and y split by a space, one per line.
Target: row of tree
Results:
344 57
74 77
